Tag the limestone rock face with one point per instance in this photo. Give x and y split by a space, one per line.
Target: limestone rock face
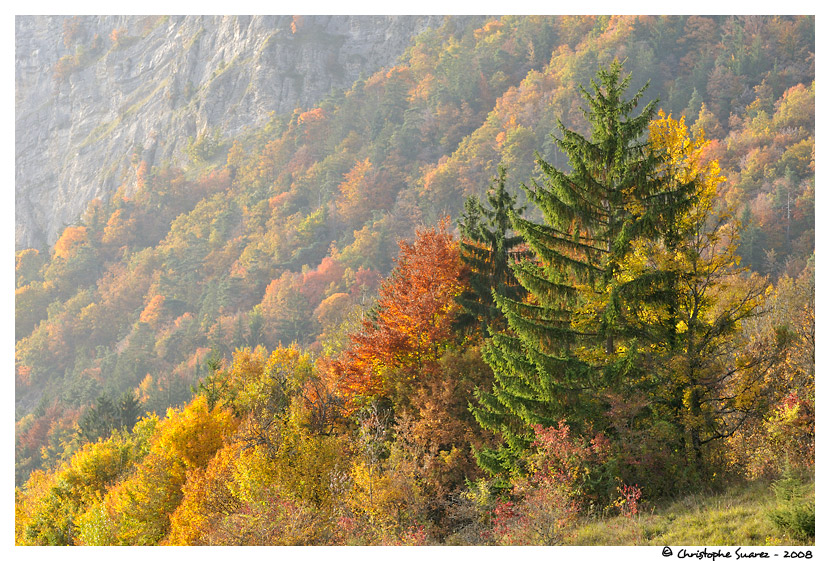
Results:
94 95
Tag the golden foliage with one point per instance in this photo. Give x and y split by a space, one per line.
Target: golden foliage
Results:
72 238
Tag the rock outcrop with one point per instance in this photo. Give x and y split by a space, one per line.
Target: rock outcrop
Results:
95 95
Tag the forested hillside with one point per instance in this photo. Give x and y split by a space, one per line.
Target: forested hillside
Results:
353 325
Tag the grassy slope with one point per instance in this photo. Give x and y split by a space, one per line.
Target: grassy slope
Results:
738 516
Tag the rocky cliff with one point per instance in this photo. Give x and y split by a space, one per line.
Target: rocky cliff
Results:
95 95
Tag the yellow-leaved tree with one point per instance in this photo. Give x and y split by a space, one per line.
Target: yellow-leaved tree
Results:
707 376
137 510
274 481
51 504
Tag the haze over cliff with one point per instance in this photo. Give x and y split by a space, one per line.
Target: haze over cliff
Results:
95 94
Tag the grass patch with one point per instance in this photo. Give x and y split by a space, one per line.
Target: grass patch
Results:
272 38
100 132
136 106
739 516
194 39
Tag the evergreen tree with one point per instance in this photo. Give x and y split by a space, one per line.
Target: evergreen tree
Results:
753 241
575 338
98 421
105 416
129 410
488 248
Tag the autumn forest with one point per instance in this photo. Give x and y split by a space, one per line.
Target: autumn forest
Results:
546 280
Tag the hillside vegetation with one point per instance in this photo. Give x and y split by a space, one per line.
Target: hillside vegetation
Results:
352 326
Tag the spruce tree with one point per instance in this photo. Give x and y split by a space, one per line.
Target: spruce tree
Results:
574 338
488 248
100 420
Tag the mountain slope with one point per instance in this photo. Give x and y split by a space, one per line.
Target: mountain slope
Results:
93 93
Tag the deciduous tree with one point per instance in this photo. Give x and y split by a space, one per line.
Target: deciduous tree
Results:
412 320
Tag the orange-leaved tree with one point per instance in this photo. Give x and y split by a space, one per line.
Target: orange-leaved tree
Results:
71 239
411 323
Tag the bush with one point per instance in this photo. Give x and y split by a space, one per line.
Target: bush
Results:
583 468
545 515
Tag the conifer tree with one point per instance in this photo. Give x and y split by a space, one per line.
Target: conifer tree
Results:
488 248
575 336
100 420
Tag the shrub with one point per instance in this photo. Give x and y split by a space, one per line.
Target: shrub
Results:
581 467
796 511
545 515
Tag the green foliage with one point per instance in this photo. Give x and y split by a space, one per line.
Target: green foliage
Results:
28 263
206 147
574 339
488 249
105 416
214 385
795 513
